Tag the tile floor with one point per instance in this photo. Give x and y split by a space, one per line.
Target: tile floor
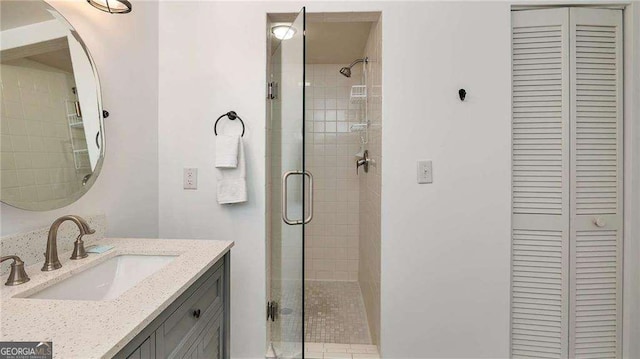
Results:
335 322
340 351
324 351
334 313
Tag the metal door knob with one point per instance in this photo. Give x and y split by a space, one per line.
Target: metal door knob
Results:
599 222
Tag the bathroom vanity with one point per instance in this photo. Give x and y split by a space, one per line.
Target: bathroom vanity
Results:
194 326
145 298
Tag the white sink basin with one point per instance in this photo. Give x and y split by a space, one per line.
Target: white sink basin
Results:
107 280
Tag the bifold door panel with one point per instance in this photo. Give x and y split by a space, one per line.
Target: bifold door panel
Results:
567 183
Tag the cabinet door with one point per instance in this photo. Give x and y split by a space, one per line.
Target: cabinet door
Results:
135 354
192 353
211 341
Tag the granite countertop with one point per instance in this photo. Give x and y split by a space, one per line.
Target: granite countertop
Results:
99 329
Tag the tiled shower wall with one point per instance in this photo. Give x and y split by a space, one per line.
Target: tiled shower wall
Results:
332 250
37 161
370 187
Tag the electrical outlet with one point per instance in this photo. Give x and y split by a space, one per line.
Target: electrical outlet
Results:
190 178
425 172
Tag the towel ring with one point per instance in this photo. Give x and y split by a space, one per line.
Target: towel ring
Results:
232 115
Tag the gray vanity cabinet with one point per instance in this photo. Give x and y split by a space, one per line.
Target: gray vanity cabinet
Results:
194 326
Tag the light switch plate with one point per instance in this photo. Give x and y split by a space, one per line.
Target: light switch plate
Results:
425 172
190 178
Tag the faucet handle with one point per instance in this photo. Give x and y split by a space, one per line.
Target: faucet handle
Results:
17 275
78 248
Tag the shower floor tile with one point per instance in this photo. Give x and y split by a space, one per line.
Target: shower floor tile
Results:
334 313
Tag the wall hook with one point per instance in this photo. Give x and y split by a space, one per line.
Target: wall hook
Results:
462 93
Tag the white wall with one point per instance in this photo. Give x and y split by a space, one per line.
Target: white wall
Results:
445 262
124 49
219 66
446 246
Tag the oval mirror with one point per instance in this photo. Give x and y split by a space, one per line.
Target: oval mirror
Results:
52 133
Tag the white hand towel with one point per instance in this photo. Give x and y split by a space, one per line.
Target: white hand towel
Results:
232 182
227 151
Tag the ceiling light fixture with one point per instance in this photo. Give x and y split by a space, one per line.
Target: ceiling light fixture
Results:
283 32
112 6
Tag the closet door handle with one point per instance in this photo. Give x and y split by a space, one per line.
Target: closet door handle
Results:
599 222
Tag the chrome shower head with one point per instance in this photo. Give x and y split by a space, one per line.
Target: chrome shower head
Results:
346 71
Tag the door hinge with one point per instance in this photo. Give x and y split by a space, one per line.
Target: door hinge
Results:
78 111
272 90
272 311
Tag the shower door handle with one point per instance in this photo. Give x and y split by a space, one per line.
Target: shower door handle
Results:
310 177
285 215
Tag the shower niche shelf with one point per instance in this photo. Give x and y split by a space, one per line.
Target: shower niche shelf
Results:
358 127
358 94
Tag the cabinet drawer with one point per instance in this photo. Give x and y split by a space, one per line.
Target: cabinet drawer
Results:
182 326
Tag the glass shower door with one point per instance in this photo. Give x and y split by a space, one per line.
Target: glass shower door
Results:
289 183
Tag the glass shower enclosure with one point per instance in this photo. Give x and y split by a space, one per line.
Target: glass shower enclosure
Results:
290 191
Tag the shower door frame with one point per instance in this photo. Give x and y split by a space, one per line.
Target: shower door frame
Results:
288 170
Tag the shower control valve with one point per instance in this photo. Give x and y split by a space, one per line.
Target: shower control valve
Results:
364 162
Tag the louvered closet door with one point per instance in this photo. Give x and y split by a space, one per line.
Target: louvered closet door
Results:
596 183
540 202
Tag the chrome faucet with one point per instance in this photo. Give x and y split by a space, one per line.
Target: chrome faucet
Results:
17 274
51 261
